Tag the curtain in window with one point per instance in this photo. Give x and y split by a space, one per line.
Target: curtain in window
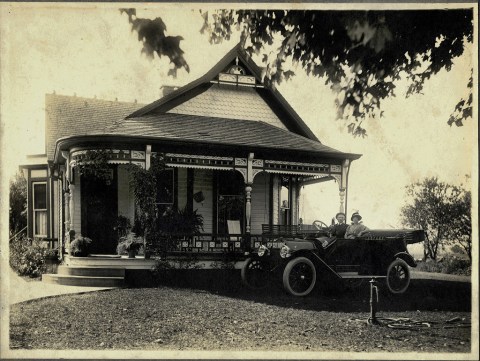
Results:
40 223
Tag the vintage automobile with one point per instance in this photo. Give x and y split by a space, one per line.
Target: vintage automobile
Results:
379 254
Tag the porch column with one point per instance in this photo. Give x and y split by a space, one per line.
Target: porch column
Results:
344 185
71 208
248 208
67 211
248 191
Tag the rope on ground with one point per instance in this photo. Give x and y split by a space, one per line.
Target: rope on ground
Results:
403 323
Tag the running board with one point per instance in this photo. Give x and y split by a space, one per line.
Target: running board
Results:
356 275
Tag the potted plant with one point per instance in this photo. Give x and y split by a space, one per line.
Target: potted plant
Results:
130 244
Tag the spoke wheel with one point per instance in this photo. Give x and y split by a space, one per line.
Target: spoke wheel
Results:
299 276
398 276
254 274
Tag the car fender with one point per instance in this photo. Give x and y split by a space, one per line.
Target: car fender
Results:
407 258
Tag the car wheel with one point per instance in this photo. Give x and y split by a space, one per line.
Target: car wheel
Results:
299 276
254 274
398 276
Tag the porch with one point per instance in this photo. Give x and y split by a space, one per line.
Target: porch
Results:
225 253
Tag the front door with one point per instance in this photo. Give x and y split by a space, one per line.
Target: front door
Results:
99 213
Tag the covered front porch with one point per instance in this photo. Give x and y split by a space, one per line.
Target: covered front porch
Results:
243 201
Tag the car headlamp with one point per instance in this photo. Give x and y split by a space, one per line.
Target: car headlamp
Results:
285 251
262 250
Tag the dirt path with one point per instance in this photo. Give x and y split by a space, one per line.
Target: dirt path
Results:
21 290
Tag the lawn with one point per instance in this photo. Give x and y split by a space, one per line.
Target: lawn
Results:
233 318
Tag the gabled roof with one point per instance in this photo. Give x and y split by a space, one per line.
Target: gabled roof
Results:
170 127
271 96
73 116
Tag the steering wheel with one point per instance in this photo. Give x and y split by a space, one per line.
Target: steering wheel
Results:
320 225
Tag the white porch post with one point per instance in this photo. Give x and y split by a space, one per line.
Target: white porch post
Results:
67 211
343 186
248 208
71 187
248 190
148 156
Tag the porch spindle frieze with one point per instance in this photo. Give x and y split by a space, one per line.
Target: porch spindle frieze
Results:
115 156
199 161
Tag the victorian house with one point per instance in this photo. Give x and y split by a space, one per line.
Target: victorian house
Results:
235 151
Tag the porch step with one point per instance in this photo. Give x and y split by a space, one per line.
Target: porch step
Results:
83 281
91 271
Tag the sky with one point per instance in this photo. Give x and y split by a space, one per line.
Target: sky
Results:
90 51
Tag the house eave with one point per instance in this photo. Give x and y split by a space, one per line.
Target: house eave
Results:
68 142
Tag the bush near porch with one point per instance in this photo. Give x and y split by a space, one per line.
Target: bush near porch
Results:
29 257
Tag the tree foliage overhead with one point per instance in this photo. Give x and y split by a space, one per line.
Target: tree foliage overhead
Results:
360 54
152 35
443 211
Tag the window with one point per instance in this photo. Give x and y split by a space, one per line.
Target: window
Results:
39 209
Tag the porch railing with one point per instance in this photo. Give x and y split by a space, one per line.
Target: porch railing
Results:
228 243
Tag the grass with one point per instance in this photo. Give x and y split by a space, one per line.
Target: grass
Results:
233 318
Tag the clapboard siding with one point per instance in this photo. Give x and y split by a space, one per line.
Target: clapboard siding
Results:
203 181
260 202
182 188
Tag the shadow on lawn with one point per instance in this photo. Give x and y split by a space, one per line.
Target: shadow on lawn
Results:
422 295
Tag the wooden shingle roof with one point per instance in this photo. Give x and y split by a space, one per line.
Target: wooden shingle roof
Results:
73 116
207 131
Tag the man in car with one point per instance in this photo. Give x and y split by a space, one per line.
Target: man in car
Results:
356 229
338 230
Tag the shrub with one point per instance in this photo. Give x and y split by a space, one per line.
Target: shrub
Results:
174 273
456 265
450 264
129 242
80 246
27 256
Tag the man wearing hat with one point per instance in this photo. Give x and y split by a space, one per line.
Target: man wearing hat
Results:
338 230
356 229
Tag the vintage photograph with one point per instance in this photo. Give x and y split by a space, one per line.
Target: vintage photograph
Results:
201 180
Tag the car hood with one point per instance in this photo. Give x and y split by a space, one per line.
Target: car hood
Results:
409 235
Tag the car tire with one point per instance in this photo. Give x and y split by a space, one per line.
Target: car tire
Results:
299 276
398 276
254 274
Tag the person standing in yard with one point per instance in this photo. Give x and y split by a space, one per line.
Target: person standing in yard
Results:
338 230
356 229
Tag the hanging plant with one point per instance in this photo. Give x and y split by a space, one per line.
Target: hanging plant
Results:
144 184
94 164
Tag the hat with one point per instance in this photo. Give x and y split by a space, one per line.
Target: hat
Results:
356 214
340 213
